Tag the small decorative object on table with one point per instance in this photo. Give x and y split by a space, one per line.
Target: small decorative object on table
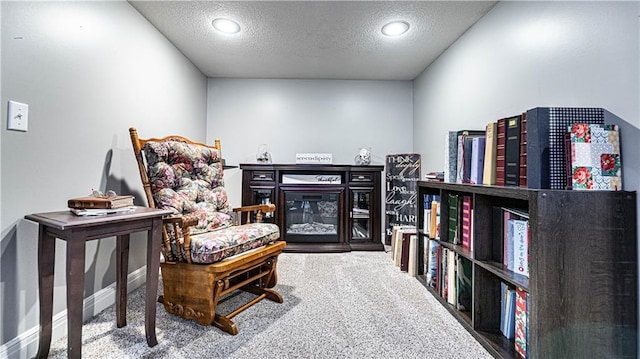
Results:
263 155
363 158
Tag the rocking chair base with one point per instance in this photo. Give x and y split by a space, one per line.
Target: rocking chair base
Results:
192 291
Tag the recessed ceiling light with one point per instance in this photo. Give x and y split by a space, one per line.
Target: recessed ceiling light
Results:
395 28
225 25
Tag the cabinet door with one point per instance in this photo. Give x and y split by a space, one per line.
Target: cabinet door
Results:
360 214
263 195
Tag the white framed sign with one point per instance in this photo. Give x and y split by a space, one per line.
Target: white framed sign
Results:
311 179
316 158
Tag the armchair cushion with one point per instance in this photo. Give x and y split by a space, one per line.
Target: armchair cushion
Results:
217 245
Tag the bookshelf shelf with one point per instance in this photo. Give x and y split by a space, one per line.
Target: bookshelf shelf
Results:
498 269
465 252
582 285
502 346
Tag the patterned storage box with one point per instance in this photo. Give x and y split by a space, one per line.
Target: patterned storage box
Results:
595 157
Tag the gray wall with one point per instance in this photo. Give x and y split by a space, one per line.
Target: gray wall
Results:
317 116
89 71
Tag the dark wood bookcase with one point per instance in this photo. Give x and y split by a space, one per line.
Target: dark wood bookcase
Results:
582 283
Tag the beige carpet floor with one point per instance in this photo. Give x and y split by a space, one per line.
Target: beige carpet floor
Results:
347 305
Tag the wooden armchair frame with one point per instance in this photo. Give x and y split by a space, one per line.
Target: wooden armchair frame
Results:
193 291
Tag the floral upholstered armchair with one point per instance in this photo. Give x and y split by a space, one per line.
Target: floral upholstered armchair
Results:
207 252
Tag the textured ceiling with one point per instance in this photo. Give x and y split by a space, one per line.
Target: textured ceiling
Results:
313 39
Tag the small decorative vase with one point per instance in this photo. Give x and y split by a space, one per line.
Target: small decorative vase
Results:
263 155
363 158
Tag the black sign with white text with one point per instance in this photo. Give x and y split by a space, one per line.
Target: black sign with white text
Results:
403 173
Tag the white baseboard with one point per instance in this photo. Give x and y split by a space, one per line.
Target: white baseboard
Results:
26 344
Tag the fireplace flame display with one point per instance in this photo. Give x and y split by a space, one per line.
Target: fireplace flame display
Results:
311 216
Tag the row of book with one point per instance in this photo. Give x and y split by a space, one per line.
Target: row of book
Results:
449 274
459 221
545 147
404 248
514 317
511 224
431 218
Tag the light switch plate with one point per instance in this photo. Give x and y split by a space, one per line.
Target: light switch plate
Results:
17 116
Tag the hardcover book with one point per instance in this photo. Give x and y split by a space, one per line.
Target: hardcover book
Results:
595 157
432 263
508 312
426 204
396 245
489 169
463 158
437 281
459 157
503 305
477 159
522 323
444 282
436 219
100 203
521 246
435 222
509 236
424 247
512 152
546 127
513 221
466 221
501 138
523 151
454 233
467 153
452 294
450 156
404 252
412 269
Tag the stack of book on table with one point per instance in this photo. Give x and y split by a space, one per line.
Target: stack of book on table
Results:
96 206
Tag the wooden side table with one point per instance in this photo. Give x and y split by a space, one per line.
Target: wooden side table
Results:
77 231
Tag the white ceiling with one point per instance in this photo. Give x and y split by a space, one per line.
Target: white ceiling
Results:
313 39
